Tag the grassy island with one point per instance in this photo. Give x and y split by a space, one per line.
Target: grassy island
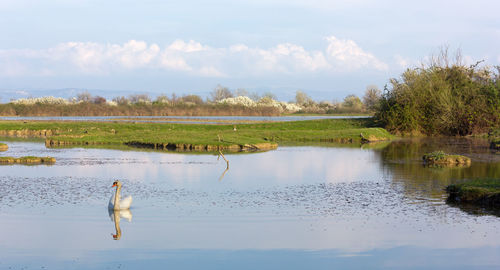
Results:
484 192
3 147
27 160
441 158
198 137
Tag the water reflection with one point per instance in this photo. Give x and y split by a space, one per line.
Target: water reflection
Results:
304 198
402 162
115 216
227 165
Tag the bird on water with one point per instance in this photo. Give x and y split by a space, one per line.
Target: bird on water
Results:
115 202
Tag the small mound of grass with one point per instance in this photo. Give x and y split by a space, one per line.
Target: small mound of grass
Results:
440 157
3 147
27 160
477 191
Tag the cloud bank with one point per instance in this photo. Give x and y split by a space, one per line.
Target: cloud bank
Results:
191 57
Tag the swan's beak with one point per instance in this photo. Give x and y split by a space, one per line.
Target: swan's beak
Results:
114 185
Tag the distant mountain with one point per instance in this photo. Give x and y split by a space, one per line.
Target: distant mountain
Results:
8 95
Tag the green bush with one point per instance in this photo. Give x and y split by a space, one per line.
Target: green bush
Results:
442 99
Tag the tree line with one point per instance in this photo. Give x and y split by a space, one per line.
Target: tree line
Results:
221 101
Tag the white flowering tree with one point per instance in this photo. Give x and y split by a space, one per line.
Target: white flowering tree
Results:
41 100
263 102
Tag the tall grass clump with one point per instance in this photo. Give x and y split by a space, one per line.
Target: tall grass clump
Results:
442 98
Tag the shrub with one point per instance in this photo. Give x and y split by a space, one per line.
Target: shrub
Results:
442 99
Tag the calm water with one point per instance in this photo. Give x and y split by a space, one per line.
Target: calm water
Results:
292 208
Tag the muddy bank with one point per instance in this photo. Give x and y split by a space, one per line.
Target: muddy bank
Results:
28 133
27 160
175 146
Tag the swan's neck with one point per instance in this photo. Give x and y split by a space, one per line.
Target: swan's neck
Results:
116 205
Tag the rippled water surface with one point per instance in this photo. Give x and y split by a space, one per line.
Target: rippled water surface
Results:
374 206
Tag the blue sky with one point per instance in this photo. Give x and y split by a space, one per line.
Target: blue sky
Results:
327 48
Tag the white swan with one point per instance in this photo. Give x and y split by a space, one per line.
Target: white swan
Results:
115 203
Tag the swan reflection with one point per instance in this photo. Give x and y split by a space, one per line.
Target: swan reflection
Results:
115 216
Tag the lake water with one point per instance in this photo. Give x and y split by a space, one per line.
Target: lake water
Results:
370 207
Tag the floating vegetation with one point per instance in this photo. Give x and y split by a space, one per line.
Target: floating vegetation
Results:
3 147
27 160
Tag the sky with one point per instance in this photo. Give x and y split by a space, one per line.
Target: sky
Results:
328 49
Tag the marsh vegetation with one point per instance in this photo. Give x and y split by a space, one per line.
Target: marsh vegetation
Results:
444 97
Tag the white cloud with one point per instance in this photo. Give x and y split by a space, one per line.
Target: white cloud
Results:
190 57
347 53
191 46
402 61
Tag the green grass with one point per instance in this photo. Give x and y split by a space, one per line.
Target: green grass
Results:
440 157
482 191
327 130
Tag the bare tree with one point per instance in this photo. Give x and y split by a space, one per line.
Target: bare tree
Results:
141 98
162 99
254 96
372 97
220 92
121 100
302 98
84 97
241 92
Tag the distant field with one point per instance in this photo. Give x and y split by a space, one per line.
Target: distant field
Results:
197 136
